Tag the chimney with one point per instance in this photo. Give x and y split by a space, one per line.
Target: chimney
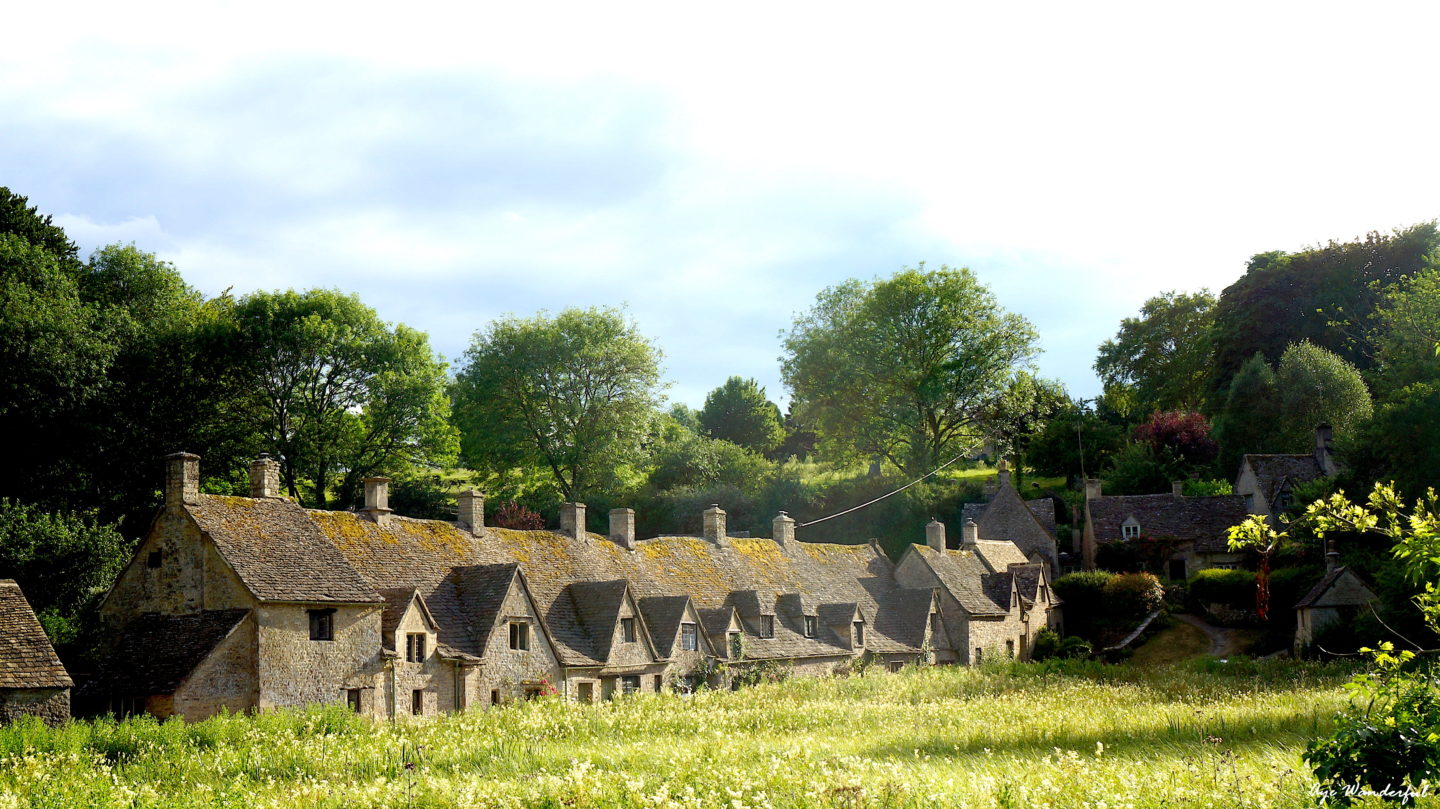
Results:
1323 436
264 476
1177 488
1332 557
935 534
472 510
572 519
1002 473
377 498
713 521
969 535
1092 489
182 479
782 529
622 527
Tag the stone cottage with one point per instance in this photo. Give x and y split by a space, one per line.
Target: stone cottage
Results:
1195 528
255 602
1267 482
32 680
1338 597
1029 524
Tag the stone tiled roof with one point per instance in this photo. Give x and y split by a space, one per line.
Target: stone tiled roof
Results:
999 556
1008 518
908 618
155 653
1324 585
1273 472
663 615
1201 520
397 602
1028 579
965 577
277 551
27 660
598 604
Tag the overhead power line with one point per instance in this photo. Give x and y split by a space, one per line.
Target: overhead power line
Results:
888 494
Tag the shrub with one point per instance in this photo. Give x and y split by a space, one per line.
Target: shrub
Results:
1132 596
1235 588
513 515
1084 597
1046 646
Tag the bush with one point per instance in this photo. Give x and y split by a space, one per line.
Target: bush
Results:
1132 596
1046 646
1235 588
515 516
1084 597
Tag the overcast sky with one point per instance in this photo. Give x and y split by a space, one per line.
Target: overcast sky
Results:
713 167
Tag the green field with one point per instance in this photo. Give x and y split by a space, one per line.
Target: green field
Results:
1202 734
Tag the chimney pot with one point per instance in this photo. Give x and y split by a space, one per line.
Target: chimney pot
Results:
713 522
1332 557
622 527
471 503
264 476
935 534
572 520
377 498
970 535
182 479
1323 437
783 529
1177 488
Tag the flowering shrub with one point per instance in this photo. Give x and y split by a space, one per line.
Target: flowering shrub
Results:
515 516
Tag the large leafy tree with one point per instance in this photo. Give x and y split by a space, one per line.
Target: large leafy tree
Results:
906 367
337 393
1247 423
1317 386
1163 355
573 394
1075 442
738 412
1019 414
1406 334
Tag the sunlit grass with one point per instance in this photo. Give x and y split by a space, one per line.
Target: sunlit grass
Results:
1204 734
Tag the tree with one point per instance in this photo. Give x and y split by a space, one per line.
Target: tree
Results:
1163 356
1400 443
1252 409
64 561
1317 386
337 393
904 368
1075 443
1186 434
738 412
1406 333
574 394
1021 411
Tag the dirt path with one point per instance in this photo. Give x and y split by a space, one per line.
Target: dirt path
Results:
1223 642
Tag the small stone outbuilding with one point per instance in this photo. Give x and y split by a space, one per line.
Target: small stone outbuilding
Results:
32 680
1267 481
1337 598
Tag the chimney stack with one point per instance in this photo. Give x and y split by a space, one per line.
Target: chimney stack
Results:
1002 473
1177 488
572 519
471 515
713 521
264 476
935 534
1332 557
1323 436
969 535
377 498
782 529
622 527
1092 489
182 479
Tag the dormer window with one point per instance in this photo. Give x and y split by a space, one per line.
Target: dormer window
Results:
1131 529
627 629
689 638
767 626
736 645
859 633
153 560
520 636
415 647
934 623
812 626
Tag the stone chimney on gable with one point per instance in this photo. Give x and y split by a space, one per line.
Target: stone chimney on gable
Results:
182 479
1332 557
969 536
572 520
1002 473
782 529
1177 488
622 527
377 498
1323 437
265 477
935 534
713 524
1092 489
471 514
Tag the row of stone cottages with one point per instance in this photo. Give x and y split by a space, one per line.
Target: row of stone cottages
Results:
242 603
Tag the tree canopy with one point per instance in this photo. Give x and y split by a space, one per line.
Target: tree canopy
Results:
738 412
1163 356
1317 386
573 394
904 368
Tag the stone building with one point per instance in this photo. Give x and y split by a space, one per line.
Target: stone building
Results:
1194 528
1336 598
255 602
1029 524
32 680
1267 482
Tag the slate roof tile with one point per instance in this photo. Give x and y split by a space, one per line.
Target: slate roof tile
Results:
1200 520
27 660
155 653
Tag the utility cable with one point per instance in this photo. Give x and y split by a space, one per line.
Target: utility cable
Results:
888 494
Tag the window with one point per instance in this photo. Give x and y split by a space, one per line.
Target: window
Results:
689 638
859 633
659 684
979 654
627 629
1284 501
322 624
812 626
934 623
153 560
520 636
415 647
495 696
1130 531
417 702
352 698
896 665
586 692
630 684
1010 649
767 626
737 645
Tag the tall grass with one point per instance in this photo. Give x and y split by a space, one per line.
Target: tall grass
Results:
1072 735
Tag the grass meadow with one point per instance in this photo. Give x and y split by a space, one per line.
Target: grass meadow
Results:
1086 735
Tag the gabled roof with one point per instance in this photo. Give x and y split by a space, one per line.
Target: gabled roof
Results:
1200 520
398 602
965 577
910 617
663 616
1274 472
479 592
718 621
597 604
753 603
155 653
1323 586
840 614
27 660
1008 517
1028 579
278 552
998 556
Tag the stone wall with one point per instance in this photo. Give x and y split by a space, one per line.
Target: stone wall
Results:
914 573
432 677
191 575
506 670
52 705
226 679
295 670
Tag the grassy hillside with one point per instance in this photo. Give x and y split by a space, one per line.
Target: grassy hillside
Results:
1203 735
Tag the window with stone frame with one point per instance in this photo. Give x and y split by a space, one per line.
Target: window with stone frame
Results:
689 638
627 629
154 559
415 647
352 698
859 633
417 702
767 626
630 684
1130 531
520 636
812 626
737 645
322 624
934 623
1010 649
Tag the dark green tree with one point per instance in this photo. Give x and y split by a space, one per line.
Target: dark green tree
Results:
1400 444
1406 334
1017 417
1075 443
1247 423
738 412
1317 386
572 394
904 368
63 561
1163 356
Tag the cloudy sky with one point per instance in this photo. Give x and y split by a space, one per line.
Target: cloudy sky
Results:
712 168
